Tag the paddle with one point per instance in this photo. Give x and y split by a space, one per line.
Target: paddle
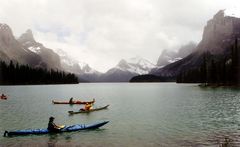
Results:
61 126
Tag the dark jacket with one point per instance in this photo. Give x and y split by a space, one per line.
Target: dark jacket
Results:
52 127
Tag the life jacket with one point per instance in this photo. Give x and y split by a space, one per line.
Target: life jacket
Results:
88 106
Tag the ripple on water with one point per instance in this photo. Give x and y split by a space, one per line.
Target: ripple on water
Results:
165 114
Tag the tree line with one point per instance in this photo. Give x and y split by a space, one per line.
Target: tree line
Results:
215 69
15 74
151 78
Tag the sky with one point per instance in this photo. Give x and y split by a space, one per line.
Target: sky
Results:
102 32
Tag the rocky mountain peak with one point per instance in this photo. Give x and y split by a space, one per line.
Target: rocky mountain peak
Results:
86 68
123 63
27 36
6 32
218 37
219 31
4 27
219 15
136 65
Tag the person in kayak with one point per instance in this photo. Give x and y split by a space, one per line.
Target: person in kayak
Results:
71 100
88 106
52 127
3 96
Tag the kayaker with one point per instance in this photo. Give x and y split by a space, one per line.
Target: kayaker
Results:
52 127
71 100
3 96
88 106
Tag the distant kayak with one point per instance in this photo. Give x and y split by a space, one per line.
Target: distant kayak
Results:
3 97
73 102
65 129
87 111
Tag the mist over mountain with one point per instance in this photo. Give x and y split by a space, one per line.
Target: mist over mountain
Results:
26 50
72 65
58 59
11 49
168 56
47 55
218 37
82 69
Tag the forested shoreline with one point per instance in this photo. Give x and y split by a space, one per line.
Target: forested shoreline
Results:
15 74
222 70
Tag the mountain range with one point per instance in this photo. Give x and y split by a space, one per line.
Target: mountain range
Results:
126 69
48 56
26 50
11 49
218 38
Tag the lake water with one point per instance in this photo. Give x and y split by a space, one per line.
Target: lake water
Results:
154 114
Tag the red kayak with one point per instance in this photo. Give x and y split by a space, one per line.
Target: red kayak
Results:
73 102
3 97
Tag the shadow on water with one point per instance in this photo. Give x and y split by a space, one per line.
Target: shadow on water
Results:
52 140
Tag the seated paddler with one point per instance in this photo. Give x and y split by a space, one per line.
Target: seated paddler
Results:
87 107
71 100
52 127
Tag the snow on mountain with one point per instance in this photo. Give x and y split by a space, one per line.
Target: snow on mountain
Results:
11 49
136 65
174 60
34 49
49 59
126 69
165 58
145 64
168 57
72 65
65 59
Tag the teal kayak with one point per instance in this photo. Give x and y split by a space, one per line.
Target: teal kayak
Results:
88 111
76 127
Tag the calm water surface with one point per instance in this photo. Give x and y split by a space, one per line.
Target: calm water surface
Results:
163 114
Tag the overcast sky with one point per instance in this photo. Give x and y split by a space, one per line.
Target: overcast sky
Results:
101 32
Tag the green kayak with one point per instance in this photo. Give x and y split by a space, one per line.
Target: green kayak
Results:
88 111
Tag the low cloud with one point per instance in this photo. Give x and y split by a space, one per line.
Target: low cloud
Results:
101 32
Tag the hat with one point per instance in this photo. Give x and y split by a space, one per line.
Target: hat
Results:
51 118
